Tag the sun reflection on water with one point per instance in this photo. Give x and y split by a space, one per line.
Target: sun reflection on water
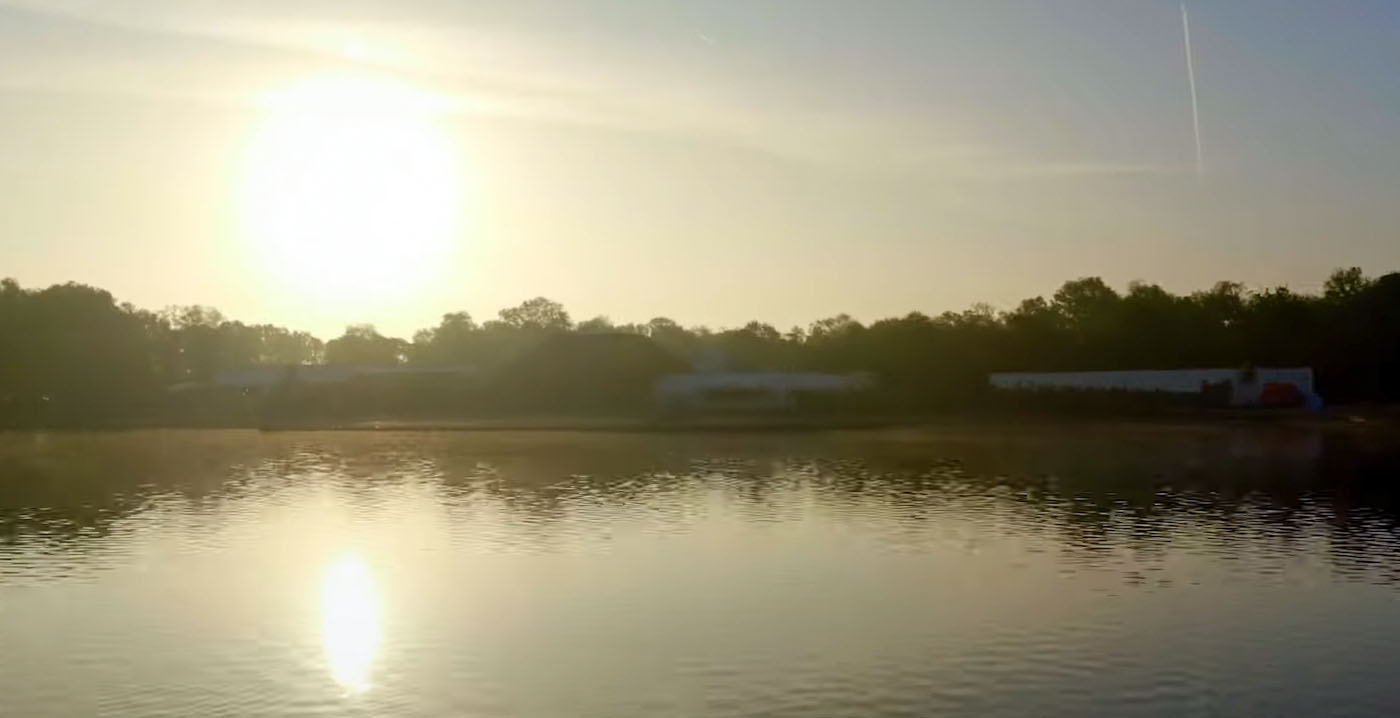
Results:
350 621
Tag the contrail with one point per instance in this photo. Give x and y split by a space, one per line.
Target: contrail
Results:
1191 78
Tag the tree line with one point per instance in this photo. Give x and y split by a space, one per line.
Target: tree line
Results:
75 346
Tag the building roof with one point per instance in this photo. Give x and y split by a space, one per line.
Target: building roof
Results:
1187 381
777 381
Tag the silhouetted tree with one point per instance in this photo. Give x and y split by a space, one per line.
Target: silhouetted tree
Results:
596 325
537 314
1345 285
362 344
455 340
673 337
72 354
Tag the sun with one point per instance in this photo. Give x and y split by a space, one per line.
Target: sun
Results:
350 189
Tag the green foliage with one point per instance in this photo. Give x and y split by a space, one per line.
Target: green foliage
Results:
73 355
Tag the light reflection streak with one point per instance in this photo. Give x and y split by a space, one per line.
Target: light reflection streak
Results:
350 621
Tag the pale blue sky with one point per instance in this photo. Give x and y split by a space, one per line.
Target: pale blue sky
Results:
721 161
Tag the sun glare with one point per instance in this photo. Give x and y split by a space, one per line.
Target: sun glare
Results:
350 621
350 189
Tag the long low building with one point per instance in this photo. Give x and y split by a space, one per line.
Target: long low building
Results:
751 391
1246 387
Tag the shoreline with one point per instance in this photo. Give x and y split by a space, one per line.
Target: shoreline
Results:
1367 419
1347 421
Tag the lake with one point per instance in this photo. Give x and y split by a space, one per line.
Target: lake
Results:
994 571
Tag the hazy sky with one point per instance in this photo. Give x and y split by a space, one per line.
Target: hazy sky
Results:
720 161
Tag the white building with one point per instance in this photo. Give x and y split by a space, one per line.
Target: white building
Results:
750 391
1244 390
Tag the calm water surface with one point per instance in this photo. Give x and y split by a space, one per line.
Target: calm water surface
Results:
1072 572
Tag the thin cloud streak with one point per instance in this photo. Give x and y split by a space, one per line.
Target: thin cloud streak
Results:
826 136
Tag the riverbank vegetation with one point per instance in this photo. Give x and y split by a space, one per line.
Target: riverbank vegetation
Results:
74 355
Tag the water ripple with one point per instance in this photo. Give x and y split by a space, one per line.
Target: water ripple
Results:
999 573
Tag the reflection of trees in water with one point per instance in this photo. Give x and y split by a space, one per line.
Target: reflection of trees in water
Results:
63 484
1093 492
1259 490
